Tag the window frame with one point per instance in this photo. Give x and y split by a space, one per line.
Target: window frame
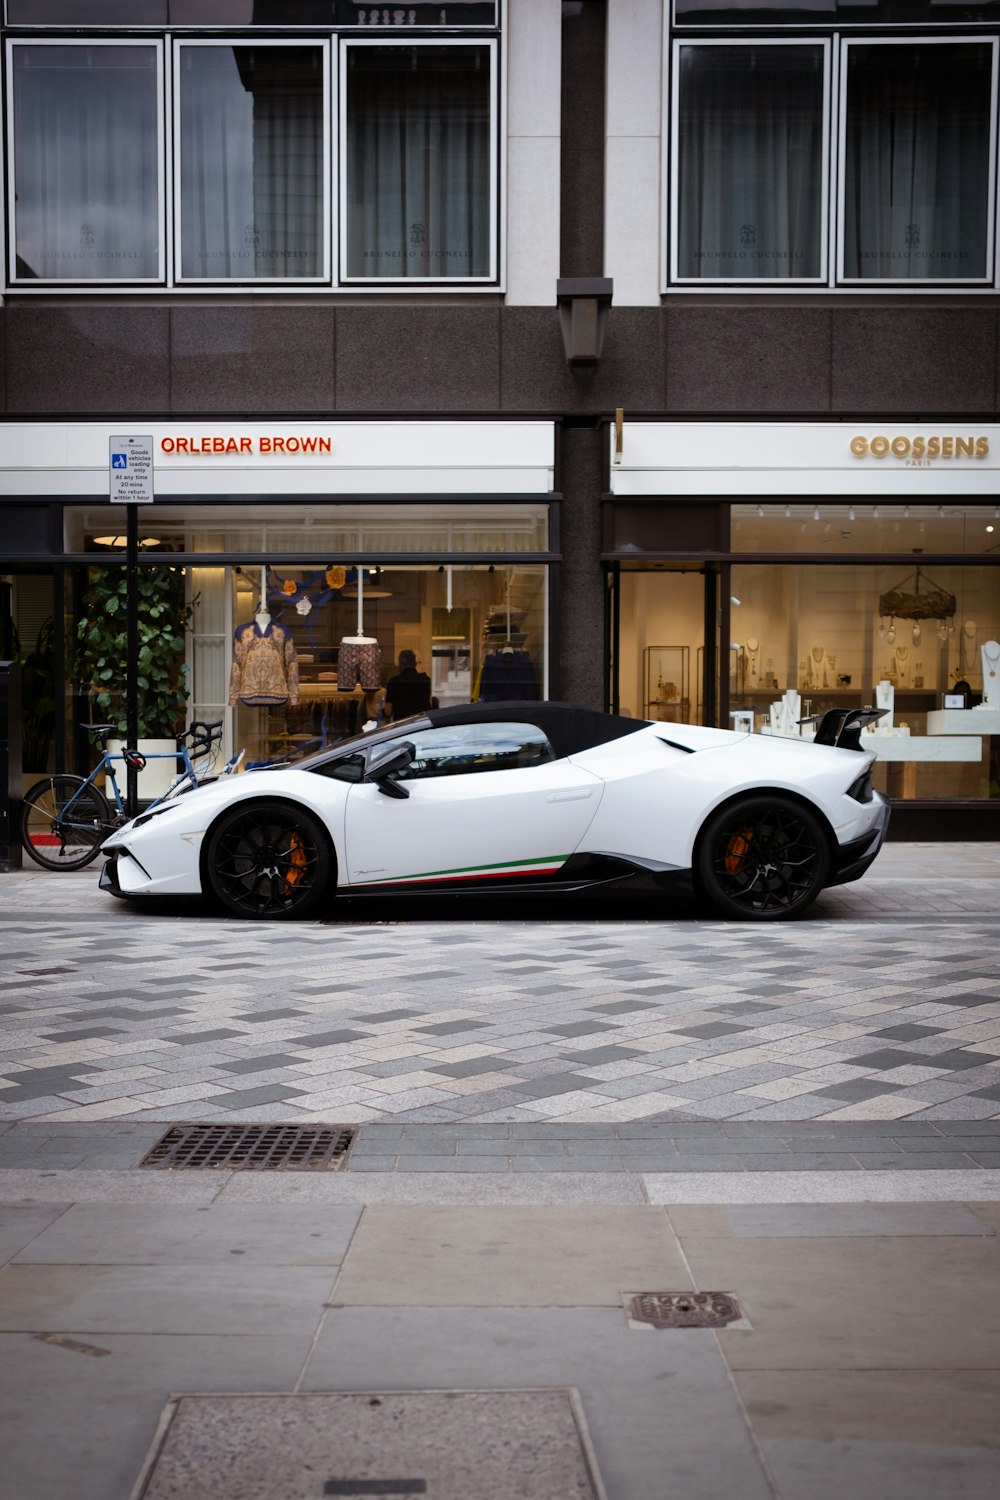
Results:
989 278
837 39
168 41
178 278
162 278
770 283
377 283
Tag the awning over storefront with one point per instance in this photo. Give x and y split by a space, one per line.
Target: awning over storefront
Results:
57 459
864 457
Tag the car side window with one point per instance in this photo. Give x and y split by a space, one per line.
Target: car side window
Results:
464 749
350 768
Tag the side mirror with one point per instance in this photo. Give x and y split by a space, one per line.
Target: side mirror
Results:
383 761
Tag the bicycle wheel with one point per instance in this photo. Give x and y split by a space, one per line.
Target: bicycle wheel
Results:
64 823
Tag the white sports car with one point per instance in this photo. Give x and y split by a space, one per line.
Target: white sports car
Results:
518 797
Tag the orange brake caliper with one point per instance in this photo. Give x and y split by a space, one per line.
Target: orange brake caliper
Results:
296 861
737 850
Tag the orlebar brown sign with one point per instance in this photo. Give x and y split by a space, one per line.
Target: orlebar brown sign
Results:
205 447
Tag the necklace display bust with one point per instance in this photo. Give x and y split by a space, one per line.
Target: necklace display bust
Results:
990 652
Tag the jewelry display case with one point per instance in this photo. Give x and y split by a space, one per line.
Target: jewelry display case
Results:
667 676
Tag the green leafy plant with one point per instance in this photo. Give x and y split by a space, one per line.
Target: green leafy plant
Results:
163 617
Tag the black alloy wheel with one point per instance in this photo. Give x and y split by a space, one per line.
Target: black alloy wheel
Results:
64 822
763 858
268 860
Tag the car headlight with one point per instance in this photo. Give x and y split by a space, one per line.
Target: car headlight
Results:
154 812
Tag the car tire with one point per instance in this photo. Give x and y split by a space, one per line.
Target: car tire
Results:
269 861
762 858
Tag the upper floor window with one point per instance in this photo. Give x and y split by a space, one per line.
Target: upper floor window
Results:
285 169
859 157
87 163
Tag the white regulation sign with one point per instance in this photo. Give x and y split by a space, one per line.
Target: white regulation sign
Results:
130 470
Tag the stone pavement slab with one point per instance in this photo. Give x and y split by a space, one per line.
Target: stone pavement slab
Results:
876 1434
506 1256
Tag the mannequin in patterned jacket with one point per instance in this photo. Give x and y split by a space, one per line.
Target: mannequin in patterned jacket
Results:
265 670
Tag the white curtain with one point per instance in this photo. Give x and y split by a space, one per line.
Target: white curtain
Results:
917 162
750 162
418 162
251 162
86 163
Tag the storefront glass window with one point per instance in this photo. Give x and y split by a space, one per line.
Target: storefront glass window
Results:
835 526
750 161
917 161
252 199
421 636
826 631
87 157
418 162
270 530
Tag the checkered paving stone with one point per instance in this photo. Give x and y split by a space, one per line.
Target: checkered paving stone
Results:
110 1013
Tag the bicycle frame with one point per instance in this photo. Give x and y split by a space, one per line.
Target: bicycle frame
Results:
106 764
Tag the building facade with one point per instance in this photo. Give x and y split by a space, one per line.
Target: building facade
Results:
347 267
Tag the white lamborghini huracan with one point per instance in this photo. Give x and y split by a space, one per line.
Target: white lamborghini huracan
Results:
513 797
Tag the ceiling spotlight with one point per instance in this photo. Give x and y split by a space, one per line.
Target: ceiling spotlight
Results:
815 512
733 599
850 513
906 512
760 511
989 528
940 512
788 512
874 512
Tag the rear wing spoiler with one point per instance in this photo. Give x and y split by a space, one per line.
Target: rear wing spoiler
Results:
843 726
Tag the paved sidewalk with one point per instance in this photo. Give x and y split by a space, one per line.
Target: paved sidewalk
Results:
866 1361
884 1004
806 1117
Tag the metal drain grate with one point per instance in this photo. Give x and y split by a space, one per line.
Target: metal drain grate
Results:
685 1309
252 1148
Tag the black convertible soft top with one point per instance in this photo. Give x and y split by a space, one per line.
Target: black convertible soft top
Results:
568 727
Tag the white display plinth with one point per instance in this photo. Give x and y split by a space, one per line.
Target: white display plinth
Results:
963 721
923 747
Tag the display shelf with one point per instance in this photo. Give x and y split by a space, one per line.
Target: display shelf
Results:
667 677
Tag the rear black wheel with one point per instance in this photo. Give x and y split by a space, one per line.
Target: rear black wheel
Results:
763 858
269 860
64 822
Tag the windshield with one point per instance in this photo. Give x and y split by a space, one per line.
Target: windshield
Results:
356 742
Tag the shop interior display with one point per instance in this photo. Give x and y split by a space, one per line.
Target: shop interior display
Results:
352 632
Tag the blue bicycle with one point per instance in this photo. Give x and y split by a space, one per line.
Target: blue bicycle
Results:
67 818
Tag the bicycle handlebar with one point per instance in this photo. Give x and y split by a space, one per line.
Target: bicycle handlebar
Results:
201 735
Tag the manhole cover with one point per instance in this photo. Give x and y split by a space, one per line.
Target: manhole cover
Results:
684 1309
445 1445
252 1148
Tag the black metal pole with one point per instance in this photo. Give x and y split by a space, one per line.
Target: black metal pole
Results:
132 653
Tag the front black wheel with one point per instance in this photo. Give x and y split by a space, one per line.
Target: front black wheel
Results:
268 860
763 858
64 822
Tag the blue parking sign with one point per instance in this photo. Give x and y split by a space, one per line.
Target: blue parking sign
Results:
119 460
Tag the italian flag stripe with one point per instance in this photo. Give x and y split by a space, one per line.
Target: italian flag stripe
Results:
544 865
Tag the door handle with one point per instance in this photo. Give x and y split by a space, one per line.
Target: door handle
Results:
571 794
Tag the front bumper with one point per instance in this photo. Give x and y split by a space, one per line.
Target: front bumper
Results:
109 878
852 860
